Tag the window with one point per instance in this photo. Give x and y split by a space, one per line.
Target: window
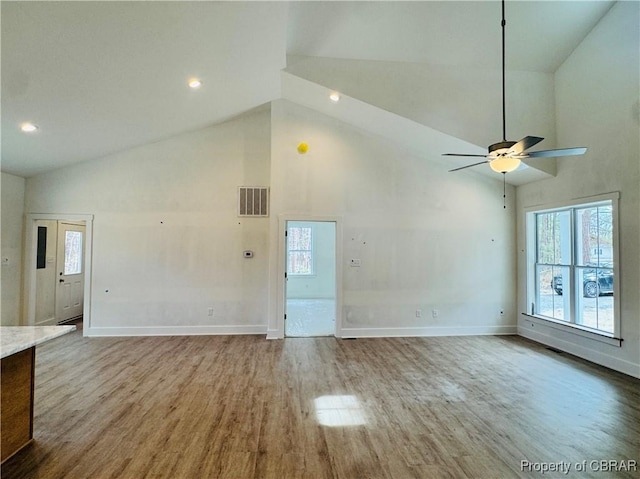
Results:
300 250
571 253
41 249
72 252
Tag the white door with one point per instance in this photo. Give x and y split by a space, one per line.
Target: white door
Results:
70 271
310 286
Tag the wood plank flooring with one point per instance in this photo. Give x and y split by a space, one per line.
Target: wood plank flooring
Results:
244 407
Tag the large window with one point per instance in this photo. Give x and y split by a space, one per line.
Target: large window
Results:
571 265
300 250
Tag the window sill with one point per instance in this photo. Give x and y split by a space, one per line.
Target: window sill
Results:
576 330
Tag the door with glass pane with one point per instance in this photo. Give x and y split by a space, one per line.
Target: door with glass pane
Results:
70 271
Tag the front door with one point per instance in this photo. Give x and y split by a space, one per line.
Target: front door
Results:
70 271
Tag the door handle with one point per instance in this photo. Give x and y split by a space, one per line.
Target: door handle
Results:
62 280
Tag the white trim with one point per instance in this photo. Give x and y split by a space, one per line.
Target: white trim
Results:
428 331
48 322
560 205
280 290
274 334
621 365
177 330
74 223
573 328
29 277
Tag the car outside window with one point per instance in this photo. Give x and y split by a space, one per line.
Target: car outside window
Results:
571 271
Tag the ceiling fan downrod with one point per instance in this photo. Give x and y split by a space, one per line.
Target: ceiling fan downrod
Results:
506 156
504 101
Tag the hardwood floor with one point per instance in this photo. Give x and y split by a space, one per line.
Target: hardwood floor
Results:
244 407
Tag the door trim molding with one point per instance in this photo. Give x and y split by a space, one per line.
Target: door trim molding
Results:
29 278
279 295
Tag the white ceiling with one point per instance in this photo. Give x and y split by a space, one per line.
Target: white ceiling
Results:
540 35
101 77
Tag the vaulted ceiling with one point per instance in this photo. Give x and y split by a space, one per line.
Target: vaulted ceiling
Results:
101 77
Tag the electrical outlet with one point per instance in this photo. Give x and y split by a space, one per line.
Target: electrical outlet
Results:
435 313
210 312
418 313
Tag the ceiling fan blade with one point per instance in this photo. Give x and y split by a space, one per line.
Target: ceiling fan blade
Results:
469 166
463 154
524 144
558 152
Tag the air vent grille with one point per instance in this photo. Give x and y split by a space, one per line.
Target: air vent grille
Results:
253 201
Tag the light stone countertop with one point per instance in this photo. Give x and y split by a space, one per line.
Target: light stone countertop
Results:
18 338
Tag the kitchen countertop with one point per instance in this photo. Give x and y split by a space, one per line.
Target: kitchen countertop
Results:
18 338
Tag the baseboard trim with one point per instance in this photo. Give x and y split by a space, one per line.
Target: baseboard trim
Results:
47 322
427 331
596 357
176 330
274 334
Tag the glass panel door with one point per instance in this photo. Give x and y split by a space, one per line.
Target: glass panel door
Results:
72 252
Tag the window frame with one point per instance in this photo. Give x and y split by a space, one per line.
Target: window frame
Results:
311 251
531 251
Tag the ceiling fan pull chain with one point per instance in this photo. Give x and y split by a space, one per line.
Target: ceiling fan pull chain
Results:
504 190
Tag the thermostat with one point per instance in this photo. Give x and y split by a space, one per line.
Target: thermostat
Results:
248 253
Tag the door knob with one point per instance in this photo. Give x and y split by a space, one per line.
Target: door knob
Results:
62 280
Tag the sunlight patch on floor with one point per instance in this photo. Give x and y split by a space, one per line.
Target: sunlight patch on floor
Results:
339 411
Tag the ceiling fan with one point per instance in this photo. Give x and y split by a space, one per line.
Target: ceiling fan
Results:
506 156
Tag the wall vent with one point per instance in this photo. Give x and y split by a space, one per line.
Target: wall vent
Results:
253 201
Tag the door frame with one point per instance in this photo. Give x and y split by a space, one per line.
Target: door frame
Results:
31 249
281 299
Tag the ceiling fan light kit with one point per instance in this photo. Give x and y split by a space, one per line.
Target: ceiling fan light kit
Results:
504 164
506 156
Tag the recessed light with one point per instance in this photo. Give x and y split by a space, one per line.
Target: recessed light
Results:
194 83
29 127
334 97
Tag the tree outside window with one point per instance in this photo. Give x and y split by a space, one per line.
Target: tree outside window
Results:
573 265
300 250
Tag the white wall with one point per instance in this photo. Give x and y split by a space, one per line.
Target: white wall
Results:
168 244
597 91
167 240
427 239
13 191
